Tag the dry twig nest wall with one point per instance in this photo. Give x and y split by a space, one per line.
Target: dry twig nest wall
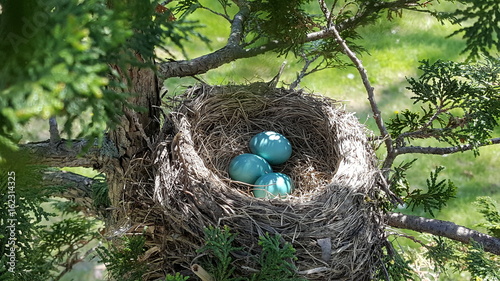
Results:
332 165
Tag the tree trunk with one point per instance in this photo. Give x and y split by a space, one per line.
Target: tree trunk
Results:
134 135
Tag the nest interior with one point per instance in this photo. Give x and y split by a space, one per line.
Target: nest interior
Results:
331 218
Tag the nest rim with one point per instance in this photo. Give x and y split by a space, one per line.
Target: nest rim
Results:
192 188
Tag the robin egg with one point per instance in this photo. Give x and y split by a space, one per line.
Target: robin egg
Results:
248 168
272 185
272 146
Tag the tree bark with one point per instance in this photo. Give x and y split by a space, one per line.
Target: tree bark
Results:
445 229
135 133
442 150
71 153
78 188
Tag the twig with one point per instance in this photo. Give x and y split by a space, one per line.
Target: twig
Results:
54 131
276 78
303 72
68 265
225 16
314 270
377 115
409 237
442 150
202 273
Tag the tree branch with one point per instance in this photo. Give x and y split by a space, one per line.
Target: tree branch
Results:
441 150
54 131
79 188
377 115
230 52
75 153
236 34
445 229
233 50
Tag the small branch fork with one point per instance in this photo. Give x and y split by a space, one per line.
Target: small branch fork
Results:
377 115
436 227
305 69
235 48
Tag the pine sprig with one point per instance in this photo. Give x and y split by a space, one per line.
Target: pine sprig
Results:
282 20
489 210
396 267
176 277
275 259
480 35
448 255
438 193
441 252
399 183
123 263
479 265
219 245
460 103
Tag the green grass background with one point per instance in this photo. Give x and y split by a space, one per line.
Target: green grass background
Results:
394 51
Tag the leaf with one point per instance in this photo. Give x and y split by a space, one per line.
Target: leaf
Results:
479 264
399 183
218 243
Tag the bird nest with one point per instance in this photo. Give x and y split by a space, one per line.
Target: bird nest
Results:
331 219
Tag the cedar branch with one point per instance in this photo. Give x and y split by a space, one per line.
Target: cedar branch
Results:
234 50
78 188
70 153
445 229
377 115
442 150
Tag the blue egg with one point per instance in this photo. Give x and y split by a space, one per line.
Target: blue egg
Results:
272 185
272 146
248 168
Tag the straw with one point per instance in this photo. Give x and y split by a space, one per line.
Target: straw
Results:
333 168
